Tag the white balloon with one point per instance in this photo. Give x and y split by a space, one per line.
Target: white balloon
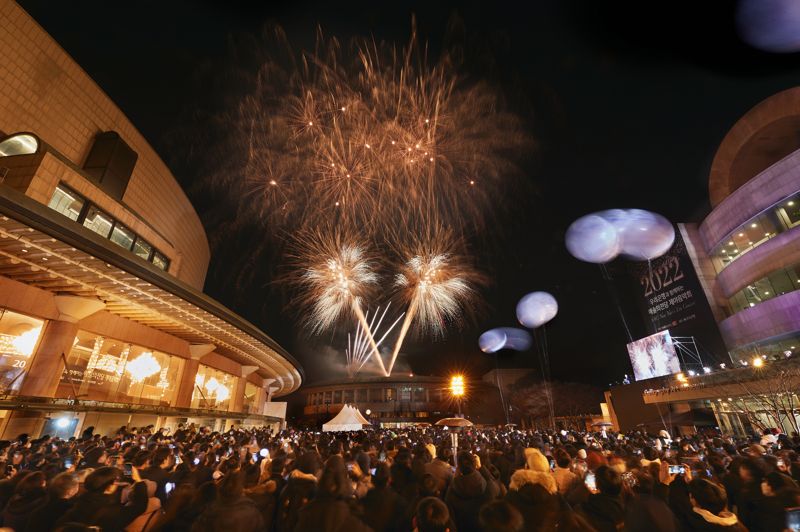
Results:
517 339
770 25
591 238
494 340
536 309
644 235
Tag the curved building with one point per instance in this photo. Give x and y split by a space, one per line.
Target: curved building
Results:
749 245
102 262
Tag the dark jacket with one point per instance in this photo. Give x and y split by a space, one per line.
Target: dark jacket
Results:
240 515
385 510
539 508
646 513
465 496
45 518
441 471
329 515
21 508
604 512
160 477
106 511
300 489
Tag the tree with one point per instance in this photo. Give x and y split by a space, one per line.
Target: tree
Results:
573 403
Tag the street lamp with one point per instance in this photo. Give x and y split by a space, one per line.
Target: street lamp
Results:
457 390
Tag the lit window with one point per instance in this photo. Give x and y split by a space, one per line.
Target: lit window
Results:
160 261
18 145
123 236
142 249
67 202
98 221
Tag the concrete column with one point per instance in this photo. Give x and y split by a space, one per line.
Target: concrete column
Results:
47 364
183 399
237 401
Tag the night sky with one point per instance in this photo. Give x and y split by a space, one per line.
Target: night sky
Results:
627 104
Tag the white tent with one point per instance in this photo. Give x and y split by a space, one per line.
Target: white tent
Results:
348 418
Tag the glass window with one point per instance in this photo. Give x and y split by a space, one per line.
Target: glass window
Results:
213 388
160 261
142 248
123 236
337 397
348 396
18 145
419 395
105 369
389 394
250 396
361 395
67 202
19 335
98 221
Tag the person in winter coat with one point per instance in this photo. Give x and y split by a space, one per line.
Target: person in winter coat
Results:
441 469
330 511
710 509
533 494
604 510
500 516
147 520
383 508
232 511
646 512
299 490
29 497
780 492
563 474
101 506
466 494
60 498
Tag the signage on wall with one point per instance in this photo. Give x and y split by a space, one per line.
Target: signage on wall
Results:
669 296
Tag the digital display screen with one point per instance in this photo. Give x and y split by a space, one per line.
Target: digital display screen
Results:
654 356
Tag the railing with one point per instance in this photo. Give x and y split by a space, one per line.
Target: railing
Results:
44 404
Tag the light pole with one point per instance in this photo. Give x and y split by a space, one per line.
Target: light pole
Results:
457 390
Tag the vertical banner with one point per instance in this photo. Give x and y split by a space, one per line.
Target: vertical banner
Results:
669 296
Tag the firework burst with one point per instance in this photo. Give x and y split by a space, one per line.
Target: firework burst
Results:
376 140
438 286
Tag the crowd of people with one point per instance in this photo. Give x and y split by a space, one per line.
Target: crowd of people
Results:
416 479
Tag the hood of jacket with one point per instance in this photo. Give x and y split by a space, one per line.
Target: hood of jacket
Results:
299 475
723 519
470 485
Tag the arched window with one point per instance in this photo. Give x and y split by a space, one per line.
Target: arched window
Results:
18 144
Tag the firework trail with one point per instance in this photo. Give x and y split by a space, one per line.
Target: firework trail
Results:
358 351
437 284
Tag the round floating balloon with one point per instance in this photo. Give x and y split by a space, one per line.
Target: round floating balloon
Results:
770 25
591 238
644 235
536 309
494 340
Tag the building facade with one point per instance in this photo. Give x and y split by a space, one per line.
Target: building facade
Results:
747 250
400 400
102 263
747 256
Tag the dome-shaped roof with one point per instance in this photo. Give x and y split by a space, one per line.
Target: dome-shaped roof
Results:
763 136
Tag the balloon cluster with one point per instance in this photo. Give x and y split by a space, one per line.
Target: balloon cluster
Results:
633 233
533 310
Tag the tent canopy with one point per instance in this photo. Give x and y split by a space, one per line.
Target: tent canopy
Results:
348 418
